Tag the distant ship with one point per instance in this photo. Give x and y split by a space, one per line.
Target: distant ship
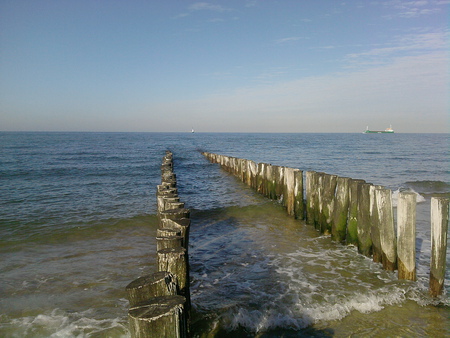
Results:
386 131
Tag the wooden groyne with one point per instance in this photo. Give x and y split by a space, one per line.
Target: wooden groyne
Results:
160 302
353 212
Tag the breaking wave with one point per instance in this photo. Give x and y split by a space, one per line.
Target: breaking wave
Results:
59 323
429 187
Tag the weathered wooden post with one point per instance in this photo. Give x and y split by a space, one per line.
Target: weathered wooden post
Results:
253 172
289 190
165 242
318 218
327 200
162 316
278 182
375 226
387 230
311 192
299 206
439 228
270 182
162 194
406 235
170 205
339 225
161 283
243 168
175 213
166 232
352 222
181 225
167 201
364 220
174 260
169 179
261 178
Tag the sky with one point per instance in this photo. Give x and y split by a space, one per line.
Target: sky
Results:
224 66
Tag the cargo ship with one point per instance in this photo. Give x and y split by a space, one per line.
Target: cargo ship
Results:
386 131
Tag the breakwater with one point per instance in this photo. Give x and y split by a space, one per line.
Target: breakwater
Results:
353 212
160 302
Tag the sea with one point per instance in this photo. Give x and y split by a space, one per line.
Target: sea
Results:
78 223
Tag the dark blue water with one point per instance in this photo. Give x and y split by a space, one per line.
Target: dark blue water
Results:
77 224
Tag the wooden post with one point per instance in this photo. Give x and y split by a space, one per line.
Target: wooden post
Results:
165 242
162 316
406 235
375 226
166 202
173 205
387 230
161 197
311 192
168 179
439 228
161 283
339 225
261 178
352 223
182 225
253 172
289 190
364 221
278 183
318 216
168 176
174 260
175 213
243 170
270 182
327 198
166 232
299 207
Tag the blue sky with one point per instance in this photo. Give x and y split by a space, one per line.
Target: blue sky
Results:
224 66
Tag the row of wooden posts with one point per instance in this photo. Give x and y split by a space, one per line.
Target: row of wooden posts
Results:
160 302
353 212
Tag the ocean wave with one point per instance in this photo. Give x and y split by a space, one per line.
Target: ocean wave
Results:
59 323
429 187
300 316
419 197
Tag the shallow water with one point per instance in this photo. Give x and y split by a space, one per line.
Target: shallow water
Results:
77 224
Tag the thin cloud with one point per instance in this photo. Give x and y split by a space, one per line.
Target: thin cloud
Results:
216 20
205 6
288 39
413 9
414 44
346 100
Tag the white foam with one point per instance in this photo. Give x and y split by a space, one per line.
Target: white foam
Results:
419 198
58 323
301 314
265 319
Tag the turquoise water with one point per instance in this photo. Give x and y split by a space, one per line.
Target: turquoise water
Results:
77 224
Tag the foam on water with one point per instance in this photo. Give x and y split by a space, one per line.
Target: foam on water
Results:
59 323
419 197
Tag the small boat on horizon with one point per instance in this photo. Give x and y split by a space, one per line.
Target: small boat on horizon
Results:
386 131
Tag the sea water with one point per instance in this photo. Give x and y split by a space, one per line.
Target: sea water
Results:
78 222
